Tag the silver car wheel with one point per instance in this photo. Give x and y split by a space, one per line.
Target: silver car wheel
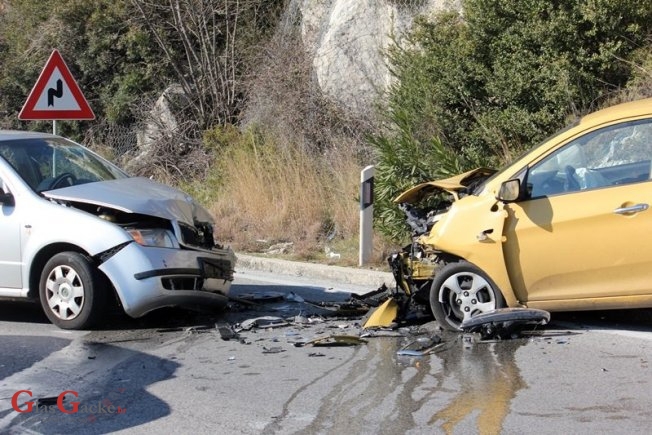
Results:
467 294
65 292
72 291
461 290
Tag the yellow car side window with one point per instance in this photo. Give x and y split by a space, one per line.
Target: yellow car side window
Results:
614 155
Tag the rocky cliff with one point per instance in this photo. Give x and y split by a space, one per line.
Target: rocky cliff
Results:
346 39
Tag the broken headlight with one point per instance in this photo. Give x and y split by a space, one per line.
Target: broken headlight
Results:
154 237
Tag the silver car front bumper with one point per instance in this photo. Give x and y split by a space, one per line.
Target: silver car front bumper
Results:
148 278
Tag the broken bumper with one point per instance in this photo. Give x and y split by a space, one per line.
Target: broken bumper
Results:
148 278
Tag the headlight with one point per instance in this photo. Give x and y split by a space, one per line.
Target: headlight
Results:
154 237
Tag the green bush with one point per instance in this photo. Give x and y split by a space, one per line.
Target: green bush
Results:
403 162
491 81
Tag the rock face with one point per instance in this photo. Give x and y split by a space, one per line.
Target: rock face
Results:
161 122
347 38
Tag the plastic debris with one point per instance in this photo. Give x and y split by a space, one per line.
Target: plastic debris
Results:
226 332
292 296
264 322
315 354
300 319
504 322
315 319
343 309
198 329
382 316
374 297
261 298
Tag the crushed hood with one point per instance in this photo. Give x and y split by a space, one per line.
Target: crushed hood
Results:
451 185
136 195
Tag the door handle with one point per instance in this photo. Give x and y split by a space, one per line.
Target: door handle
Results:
632 209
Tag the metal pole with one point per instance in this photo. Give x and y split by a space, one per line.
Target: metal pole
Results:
54 126
366 214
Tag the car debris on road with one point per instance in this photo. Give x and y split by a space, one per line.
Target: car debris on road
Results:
350 318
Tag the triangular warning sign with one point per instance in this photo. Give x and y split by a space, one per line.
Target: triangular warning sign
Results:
56 95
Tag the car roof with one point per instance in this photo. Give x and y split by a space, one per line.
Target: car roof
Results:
620 111
16 134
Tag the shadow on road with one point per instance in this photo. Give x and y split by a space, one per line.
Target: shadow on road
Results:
22 311
639 320
111 384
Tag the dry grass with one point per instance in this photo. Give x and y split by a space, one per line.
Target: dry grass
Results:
263 193
290 172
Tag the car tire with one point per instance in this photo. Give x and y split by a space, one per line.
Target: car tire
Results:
72 292
460 290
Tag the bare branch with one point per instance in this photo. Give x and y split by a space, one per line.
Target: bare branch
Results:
206 33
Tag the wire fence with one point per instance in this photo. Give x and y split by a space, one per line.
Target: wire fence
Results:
114 141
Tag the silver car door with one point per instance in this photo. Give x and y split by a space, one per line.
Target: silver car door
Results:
10 249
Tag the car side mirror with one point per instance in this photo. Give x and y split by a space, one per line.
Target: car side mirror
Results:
6 199
510 191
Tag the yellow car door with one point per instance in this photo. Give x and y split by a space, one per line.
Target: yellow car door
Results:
580 238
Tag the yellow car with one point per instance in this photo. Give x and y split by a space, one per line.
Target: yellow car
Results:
564 227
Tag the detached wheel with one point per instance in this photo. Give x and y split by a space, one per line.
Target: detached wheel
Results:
71 291
461 290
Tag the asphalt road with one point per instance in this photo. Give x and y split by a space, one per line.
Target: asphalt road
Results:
173 372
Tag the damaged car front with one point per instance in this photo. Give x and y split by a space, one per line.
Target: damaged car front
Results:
85 234
558 229
424 205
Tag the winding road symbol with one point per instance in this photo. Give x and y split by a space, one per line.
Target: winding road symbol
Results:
56 95
58 92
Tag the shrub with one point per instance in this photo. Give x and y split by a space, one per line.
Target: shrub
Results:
487 83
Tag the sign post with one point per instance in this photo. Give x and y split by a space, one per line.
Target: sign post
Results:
56 95
366 214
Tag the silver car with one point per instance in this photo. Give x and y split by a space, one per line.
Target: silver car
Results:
78 233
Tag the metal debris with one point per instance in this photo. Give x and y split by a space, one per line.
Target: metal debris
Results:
421 346
381 332
333 340
276 349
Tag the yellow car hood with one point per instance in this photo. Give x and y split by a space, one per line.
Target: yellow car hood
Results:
450 185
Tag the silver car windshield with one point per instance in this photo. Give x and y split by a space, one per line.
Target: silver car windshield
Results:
53 163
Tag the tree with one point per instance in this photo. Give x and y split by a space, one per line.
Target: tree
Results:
499 77
110 55
205 43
